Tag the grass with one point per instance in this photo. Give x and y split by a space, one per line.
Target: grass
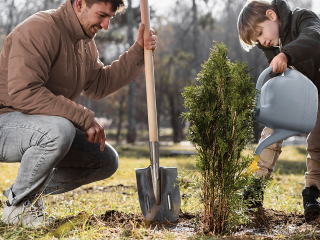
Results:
120 193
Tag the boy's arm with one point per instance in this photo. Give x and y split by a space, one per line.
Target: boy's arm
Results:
270 53
307 43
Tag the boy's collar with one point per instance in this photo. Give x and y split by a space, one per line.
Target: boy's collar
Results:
285 16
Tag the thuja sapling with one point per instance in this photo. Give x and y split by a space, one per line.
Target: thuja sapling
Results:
221 108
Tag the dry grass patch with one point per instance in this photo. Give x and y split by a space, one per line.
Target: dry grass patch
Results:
110 209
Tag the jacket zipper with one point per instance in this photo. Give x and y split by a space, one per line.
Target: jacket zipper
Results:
79 61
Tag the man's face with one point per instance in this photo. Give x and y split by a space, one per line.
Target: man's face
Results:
268 33
95 18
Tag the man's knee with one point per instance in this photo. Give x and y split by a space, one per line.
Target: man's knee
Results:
109 163
61 132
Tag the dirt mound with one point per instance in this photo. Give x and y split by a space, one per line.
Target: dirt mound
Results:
268 223
129 221
267 218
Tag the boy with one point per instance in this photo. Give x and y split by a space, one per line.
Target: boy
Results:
288 39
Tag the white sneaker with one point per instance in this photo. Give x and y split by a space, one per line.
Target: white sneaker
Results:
29 213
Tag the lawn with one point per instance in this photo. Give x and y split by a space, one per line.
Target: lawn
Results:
110 208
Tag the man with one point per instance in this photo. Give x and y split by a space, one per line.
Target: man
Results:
46 62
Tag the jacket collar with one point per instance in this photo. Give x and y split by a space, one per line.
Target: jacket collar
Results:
71 23
285 17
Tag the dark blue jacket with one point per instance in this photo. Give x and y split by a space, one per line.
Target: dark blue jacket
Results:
300 38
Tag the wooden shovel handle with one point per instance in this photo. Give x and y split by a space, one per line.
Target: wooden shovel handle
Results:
149 72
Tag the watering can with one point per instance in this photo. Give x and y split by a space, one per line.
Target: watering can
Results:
288 104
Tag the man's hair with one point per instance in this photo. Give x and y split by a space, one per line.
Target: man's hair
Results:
117 5
253 13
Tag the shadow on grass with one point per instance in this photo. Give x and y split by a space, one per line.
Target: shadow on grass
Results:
143 151
285 167
302 150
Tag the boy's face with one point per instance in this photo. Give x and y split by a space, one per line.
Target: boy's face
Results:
267 33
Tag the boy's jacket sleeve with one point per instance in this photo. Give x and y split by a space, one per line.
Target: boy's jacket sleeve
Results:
307 43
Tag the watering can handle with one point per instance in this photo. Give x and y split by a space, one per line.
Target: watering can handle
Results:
261 79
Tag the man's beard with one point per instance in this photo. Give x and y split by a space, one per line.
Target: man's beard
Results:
85 24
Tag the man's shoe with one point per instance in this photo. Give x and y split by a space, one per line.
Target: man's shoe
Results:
29 213
253 195
311 203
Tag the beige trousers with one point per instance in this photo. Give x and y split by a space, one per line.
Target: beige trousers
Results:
270 155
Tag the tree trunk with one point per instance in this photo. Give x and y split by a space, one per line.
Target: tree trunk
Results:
10 18
120 118
131 135
177 127
196 35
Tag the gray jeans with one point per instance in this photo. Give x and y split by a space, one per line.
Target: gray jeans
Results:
55 156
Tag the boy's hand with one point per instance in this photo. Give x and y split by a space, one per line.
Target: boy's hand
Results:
279 63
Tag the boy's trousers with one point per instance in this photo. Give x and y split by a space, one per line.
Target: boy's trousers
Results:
270 155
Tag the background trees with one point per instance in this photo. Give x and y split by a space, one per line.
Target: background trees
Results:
185 30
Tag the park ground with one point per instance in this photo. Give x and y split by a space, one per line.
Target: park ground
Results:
110 209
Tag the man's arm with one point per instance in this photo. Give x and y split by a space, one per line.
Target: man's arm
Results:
29 63
105 80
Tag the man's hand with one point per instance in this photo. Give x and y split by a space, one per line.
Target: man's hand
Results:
95 134
150 43
279 63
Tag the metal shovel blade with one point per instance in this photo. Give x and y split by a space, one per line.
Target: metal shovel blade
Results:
169 207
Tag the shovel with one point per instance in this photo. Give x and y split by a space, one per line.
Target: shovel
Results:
159 194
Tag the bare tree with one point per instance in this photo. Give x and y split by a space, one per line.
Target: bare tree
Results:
131 135
13 11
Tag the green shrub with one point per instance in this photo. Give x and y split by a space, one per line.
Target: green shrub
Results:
221 108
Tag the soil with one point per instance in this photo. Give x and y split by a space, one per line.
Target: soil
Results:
265 224
269 223
130 221
126 223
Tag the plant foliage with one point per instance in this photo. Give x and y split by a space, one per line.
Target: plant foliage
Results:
221 108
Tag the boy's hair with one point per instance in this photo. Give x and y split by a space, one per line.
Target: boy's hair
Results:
117 5
253 13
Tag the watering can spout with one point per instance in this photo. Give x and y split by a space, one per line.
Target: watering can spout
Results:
276 136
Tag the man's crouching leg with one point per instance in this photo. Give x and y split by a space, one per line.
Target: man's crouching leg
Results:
83 164
39 143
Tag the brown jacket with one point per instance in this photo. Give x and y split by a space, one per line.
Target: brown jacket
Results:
47 61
